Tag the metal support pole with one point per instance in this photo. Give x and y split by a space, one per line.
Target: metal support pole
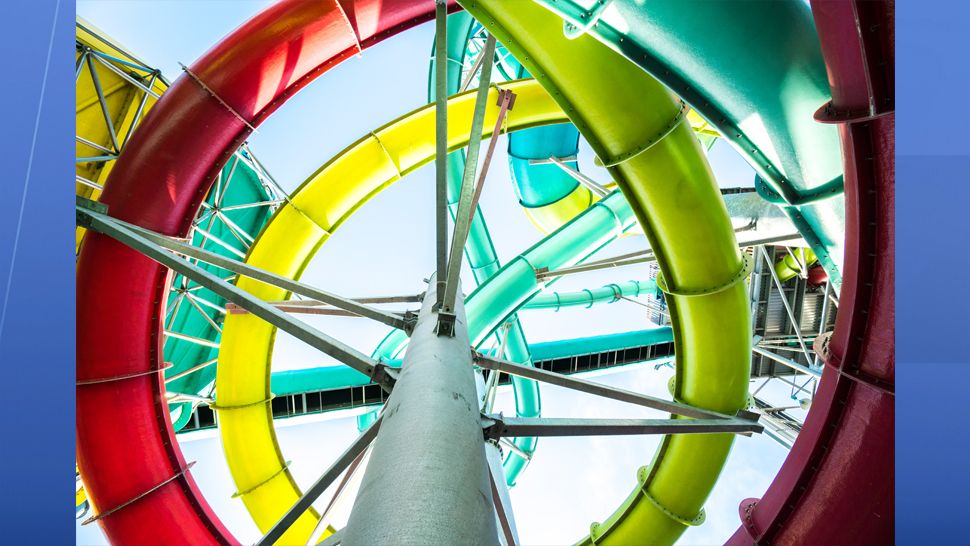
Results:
500 493
441 145
463 217
321 485
427 481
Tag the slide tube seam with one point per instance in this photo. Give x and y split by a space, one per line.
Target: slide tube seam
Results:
284 468
747 266
122 377
622 158
103 514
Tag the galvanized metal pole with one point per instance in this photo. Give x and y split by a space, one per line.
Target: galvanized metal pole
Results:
427 481
441 144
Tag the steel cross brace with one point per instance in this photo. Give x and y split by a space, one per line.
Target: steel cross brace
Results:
321 485
261 275
150 247
589 387
498 426
639 257
468 196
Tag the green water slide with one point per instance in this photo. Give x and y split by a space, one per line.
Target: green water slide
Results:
638 131
764 105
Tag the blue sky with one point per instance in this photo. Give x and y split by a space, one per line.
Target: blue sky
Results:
386 249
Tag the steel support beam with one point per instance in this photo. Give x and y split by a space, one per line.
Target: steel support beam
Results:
463 216
427 481
261 275
586 181
441 145
786 361
346 458
137 240
643 256
498 427
589 387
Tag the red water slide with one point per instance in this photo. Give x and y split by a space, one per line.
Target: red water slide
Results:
148 496
836 486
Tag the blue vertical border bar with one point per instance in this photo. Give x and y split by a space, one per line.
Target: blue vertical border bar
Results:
37 334
932 270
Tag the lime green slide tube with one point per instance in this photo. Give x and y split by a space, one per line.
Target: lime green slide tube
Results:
638 131
764 105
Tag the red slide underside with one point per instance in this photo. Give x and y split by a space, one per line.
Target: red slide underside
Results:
133 468
836 486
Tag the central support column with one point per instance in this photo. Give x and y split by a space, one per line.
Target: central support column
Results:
427 480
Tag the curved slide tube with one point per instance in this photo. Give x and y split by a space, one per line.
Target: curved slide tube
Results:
758 76
669 185
253 70
836 486
313 212
792 265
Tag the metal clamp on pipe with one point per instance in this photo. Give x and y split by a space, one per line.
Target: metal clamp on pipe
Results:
747 265
217 407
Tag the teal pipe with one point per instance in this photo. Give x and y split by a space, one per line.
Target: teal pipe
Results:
335 377
590 297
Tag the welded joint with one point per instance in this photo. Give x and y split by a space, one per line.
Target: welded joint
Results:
493 427
410 319
385 376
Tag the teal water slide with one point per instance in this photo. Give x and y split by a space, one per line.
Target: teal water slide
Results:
768 107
